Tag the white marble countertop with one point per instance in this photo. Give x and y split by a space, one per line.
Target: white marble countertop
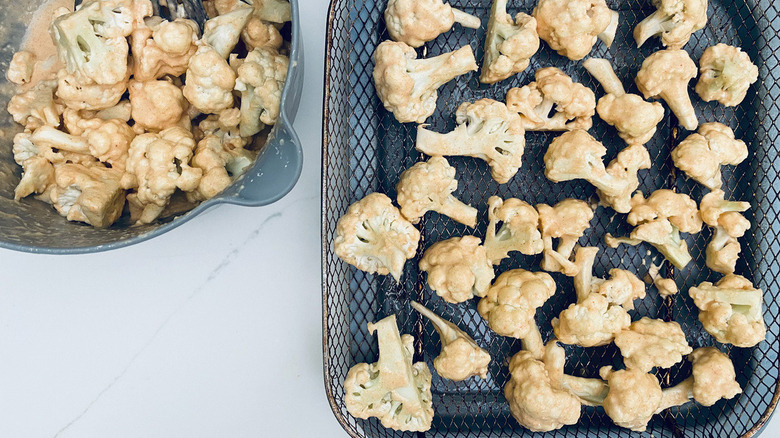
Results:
211 330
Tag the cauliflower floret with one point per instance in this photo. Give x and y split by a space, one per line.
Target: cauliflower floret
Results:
428 186
20 70
726 73
163 48
571 27
701 154
577 155
223 32
257 33
574 103
674 22
35 107
518 231
731 310
106 140
274 11
713 378
649 343
157 165
260 80
486 130
91 194
373 237
121 111
633 398
509 45
633 117
659 219
210 81
511 303
37 177
393 389
408 86
81 96
460 356
666 287
729 225
665 74
567 222
92 40
458 269
50 147
156 105
415 22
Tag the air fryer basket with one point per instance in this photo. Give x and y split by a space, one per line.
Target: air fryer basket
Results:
365 150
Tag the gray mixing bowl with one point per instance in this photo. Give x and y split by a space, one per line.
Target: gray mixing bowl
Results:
33 226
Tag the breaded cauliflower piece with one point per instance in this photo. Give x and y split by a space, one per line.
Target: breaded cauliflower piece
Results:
702 154
574 104
674 22
486 130
210 81
633 398
665 74
731 310
373 237
163 48
567 222
415 22
428 186
156 105
713 378
571 27
577 155
633 117
36 107
394 388
650 343
729 224
91 194
94 97
458 269
407 86
518 232
511 302
726 73
261 79
157 165
20 69
460 356
509 45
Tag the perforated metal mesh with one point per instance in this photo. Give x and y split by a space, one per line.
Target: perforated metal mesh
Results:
365 150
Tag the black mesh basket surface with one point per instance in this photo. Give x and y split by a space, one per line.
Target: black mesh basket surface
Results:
365 149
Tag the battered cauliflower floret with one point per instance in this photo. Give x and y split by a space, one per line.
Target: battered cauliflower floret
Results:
36 107
415 22
729 224
109 141
571 27
25 148
20 70
577 155
37 177
650 343
81 96
260 80
460 356
666 287
509 45
163 48
518 231
91 194
511 303
674 22
567 222
486 130
223 32
633 398
394 388
633 117
726 73
428 186
373 237
157 165
665 74
702 154
571 104
458 269
408 86
713 378
210 81
731 310
260 34
156 105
